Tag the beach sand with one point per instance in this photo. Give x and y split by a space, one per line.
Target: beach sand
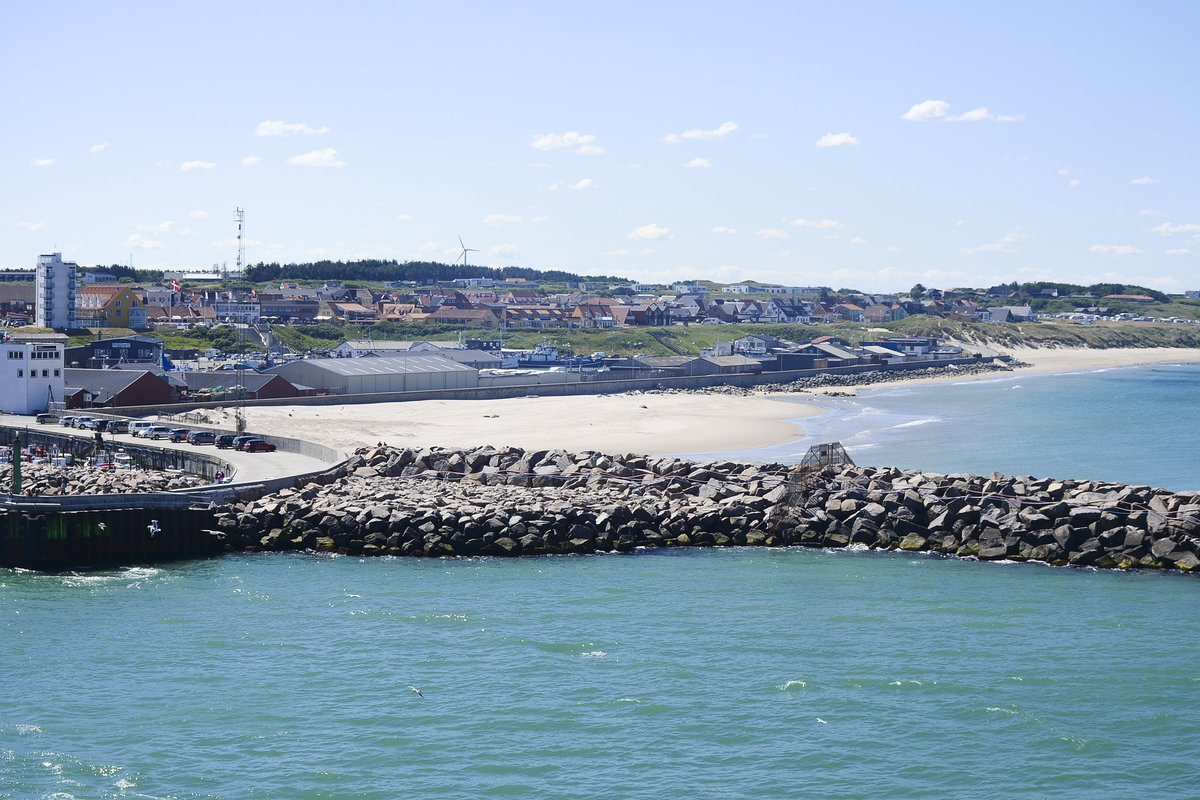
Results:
650 423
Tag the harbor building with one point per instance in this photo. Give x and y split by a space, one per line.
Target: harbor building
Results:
31 372
56 280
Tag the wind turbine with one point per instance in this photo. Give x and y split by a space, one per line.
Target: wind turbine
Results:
465 250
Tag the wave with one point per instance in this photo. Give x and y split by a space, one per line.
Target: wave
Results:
916 422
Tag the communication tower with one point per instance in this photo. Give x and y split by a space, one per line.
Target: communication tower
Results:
240 218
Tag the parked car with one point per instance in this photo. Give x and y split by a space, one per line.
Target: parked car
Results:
139 425
82 423
100 425
202 437
241 440
155 432
258 446
67 422
179 435
225 440
118 426
47 419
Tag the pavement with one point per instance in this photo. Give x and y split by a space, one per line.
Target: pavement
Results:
247 467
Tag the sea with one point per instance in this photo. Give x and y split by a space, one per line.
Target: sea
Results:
731 673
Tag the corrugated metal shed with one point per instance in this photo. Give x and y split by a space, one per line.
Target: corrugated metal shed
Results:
416 372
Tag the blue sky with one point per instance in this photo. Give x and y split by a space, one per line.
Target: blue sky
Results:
865 145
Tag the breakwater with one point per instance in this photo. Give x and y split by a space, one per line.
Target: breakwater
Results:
512 502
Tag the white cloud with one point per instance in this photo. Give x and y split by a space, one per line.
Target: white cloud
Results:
404 217
32 226
837 140
537 165
650 232
199 213
429 247
137 240
98 148
554 187
1166 228
823 224
781 254
586 183
894 249
719 132
1180 252
939 109
317 252
616 253
1074 182
698 163
1114 250
189 166
1003 245
771 233
1143 180
318 158
500 219
980 114
858 240
583 143
1064 171
505 250
929 109
252 161
281 128
42 162
1150 212
160 228
724 230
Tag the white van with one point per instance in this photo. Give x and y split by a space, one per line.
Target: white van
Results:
139 424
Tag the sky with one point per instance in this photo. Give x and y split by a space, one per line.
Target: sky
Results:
853 145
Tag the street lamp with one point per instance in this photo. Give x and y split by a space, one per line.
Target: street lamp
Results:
632 365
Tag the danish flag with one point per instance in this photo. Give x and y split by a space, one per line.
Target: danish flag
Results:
174 285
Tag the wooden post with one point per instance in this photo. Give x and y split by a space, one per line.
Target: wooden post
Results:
16 464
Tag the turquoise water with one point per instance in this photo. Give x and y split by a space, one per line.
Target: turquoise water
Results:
726 674
1131 425
741 673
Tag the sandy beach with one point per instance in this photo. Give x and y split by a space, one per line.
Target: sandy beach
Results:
629 423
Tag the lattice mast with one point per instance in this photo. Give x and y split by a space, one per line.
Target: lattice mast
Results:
239 216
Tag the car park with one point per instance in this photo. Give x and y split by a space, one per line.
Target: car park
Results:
258 446
225 441
179 435
202 437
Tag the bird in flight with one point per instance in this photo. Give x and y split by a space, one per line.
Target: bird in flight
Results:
418 691
153 527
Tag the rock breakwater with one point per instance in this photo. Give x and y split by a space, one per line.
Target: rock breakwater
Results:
52 481
511 502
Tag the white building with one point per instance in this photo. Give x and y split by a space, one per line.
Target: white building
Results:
55 294
31 372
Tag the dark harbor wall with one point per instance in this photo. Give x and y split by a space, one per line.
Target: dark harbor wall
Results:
512 502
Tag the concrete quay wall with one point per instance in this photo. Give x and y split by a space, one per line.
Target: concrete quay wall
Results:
588 385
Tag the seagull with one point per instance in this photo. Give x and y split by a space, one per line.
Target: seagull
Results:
823 722
153 528
418 691
101 525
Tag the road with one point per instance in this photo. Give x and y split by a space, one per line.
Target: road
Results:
247 467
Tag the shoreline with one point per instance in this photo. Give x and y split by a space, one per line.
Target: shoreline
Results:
636 422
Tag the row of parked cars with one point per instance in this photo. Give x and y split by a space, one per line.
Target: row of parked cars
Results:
148 430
